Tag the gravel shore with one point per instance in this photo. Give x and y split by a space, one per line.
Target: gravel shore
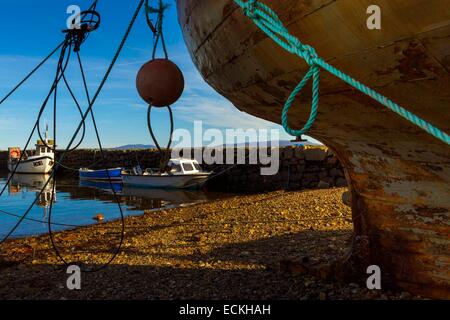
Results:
245 247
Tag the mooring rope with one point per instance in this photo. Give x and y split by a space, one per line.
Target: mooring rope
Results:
269 22
158 36
164 154
75 39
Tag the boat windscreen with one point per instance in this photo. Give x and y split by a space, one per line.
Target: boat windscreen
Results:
188 167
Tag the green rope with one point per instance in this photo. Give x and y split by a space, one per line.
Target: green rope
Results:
269 22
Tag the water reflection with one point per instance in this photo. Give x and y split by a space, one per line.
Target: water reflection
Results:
22 184
77 202
138 196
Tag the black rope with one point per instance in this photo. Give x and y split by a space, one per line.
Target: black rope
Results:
59 74
158 33
66 44
158 36
58 163
36 125
38 221
28 76
91 104
165 154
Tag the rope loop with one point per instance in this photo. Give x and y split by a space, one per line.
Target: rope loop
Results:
269 22
314 73
157 28
165 154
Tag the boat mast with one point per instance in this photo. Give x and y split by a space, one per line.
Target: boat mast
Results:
46 133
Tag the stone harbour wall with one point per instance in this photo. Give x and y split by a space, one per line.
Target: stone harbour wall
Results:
299 168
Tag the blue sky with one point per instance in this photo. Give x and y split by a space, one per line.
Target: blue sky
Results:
32 28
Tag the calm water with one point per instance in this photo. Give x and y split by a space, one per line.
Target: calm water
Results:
77 202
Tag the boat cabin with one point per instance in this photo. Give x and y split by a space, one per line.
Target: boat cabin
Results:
42 149
184 166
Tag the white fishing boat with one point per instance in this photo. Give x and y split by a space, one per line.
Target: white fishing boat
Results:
39 161
180 174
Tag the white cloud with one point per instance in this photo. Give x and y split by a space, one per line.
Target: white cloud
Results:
217 113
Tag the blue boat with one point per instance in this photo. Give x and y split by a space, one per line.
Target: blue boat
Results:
115 174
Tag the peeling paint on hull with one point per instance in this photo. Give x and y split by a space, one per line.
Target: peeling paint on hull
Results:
399 175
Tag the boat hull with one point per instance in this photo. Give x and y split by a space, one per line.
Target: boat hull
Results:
399 175
169 181
101 175
38 165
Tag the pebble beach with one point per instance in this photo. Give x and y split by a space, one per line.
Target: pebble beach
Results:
244 247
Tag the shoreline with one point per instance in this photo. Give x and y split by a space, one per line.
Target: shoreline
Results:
243 247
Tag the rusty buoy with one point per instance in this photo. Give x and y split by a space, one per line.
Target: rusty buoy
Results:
160 82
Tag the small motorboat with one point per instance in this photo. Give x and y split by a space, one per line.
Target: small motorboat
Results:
179 174
115 174
39 161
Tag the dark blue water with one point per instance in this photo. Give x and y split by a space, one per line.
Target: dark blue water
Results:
76 203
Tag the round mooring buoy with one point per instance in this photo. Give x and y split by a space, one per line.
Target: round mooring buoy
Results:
160 82
99 217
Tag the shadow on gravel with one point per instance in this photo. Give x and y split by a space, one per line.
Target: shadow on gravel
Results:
249 270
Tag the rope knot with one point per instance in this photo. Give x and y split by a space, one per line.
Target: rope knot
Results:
79 31
306 52
311 55
250 8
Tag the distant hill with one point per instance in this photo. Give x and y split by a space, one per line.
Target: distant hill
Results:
281 143
135 147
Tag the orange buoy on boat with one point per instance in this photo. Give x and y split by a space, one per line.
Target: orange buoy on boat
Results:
160 82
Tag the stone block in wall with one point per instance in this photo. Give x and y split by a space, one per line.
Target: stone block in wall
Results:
310 177
312 168
332 161
299 153
315 154
323 185
323 174
295 176
288 153
341 182
334 172
295 185
328 180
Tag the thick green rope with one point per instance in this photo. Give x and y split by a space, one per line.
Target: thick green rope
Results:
269 22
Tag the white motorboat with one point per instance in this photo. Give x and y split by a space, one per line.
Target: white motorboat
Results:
39 161
180 174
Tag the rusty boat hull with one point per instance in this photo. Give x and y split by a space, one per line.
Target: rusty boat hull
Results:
399 175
